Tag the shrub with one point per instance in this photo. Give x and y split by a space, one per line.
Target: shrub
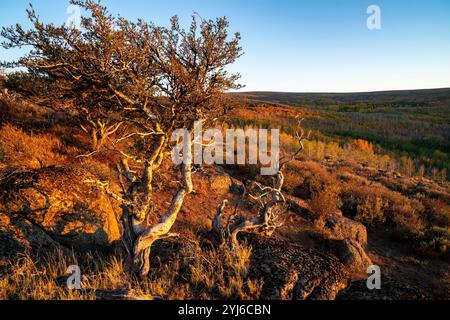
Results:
407 220
323 204
363 203
437 238
437 211
370 211
303 179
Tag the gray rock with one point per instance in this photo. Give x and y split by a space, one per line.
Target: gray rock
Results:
296 272
341 228
351 254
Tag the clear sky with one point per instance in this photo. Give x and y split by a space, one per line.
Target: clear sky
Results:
305 46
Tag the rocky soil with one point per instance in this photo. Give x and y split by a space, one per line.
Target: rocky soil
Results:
54 207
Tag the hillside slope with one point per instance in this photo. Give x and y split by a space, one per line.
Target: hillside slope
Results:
344 213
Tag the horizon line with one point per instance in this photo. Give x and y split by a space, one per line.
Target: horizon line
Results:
339 92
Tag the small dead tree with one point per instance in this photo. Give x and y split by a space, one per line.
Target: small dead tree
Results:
270 199
98 129
146 79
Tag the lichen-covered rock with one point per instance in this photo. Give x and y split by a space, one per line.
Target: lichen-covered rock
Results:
293 272
63 207
19 236
341 228
351 254
299 206
212 179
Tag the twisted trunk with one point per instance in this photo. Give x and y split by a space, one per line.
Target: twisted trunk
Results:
138 236
264 223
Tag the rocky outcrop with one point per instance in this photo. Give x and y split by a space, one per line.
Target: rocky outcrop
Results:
391 289
299 207
351 254
19 236
212 179
293 272
341 228
347 239
54 205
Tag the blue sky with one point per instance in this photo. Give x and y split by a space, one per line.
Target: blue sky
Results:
305 46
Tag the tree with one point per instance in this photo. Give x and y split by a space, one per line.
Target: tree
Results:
270 200
421 171
407 166
147 79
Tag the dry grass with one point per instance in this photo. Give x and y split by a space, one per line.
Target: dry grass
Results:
223 273
191 273
20 149
32 278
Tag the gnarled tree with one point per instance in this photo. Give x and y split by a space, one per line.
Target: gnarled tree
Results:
270 200
149 80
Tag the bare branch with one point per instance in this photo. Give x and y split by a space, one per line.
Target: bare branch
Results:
105 187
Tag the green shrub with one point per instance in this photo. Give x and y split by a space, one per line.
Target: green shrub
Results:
437 238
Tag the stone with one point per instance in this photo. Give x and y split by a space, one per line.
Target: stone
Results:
352 255
55 205
341 228
19 236
299 207
296 272
213 179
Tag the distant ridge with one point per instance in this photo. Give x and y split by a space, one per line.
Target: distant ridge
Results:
379 96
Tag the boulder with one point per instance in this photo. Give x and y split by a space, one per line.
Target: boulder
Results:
299 206
351 254
341 228
19 236
293 272
56 204
212 179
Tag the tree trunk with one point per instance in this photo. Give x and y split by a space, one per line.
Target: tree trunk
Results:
138 237
265 222
94 140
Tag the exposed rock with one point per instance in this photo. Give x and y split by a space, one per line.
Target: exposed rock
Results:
18 236
213 179
299 206
293 272
351 254
338 213
61 207
341 228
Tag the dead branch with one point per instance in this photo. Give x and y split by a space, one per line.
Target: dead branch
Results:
271 205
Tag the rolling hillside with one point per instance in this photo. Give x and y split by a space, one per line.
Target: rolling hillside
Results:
411 125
